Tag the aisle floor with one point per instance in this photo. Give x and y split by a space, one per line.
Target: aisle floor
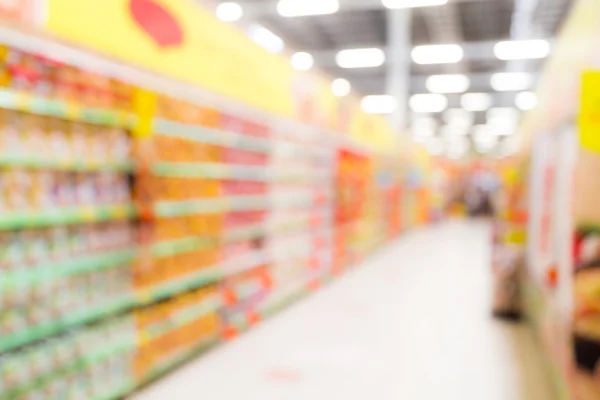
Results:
412 323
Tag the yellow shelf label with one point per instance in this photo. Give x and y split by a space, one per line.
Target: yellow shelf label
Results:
144 338
72 111
88 214
119 212
22 100
144 296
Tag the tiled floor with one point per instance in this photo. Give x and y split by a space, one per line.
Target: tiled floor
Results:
412 323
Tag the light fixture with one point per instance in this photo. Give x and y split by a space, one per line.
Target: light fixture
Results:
412 3
435 146
302 61
457 147
510 146
502 121
437 54
266 39
511 81
447 83
379 104
425 123
485 138
476 101
423 128
300 8
428 103
458 117
340 87
360 58
503 113
522 49
526 101
229 12
450 131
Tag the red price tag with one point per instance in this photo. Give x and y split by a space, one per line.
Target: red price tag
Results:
229 333
229 297
253 318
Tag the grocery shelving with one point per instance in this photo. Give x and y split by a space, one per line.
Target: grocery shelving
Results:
65 216
54 163
20 279
22 101
217 221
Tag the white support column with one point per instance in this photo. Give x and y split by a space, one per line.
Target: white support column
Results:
398 64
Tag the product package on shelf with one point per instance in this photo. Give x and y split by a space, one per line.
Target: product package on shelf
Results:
175 326
352 185
67 243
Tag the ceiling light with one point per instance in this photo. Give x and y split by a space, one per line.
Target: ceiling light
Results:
423 128
526 101
458 147
502 112
438 54
485 138
229 12
450 131
341 87
483 133
448 83
502 121
425 123
511 81
265 38
503 115
300 8
510 146
379 104
428 103
522 49
302 61
360 58
476 101
435 146
421 136
458 117
412 3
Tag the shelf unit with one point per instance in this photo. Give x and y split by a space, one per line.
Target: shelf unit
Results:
233 231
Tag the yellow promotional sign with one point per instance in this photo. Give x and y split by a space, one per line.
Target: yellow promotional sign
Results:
180 39
575 51
589 117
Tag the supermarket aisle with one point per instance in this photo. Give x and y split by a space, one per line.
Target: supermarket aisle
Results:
412 323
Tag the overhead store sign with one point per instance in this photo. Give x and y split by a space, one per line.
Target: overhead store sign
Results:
178 38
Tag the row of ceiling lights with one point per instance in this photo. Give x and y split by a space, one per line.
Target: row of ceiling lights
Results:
459 122
454 138
428 54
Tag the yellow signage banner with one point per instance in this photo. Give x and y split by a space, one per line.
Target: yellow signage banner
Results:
180 39
589 117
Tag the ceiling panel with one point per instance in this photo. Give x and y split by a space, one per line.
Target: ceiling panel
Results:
486 20
550 15
420 33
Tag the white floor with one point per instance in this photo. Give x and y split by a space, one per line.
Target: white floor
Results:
412 323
